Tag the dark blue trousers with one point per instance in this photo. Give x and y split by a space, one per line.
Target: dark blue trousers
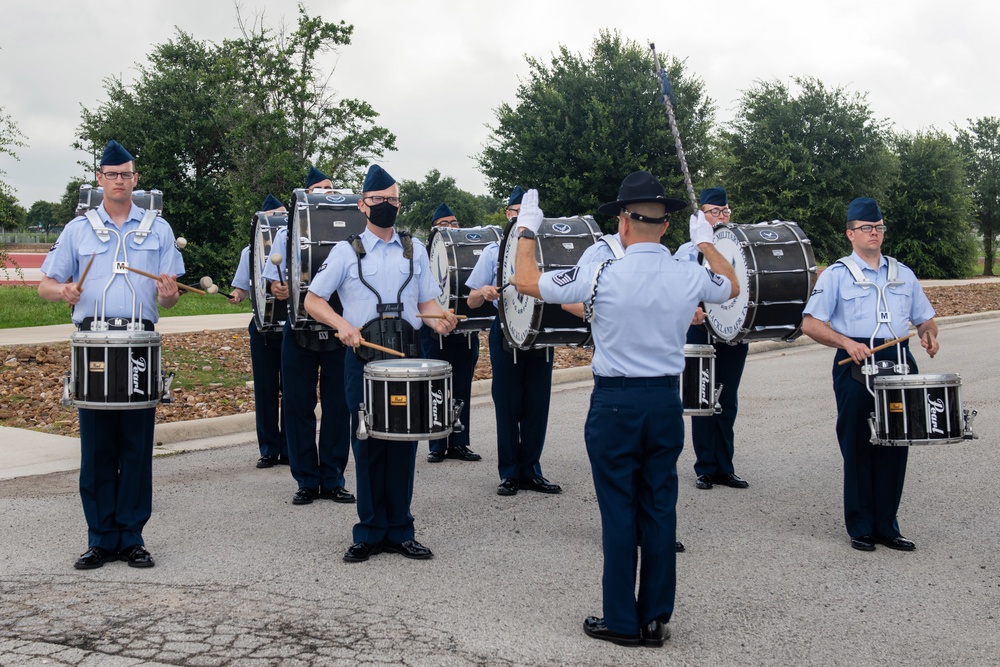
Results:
873 474
116 475
384 470
521 393
314 467
265 359
713 437
462 352
634 434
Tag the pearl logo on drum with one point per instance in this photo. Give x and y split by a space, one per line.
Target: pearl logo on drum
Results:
935 407
437 400
138 366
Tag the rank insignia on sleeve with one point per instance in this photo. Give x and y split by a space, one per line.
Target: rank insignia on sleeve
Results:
716 278
566 277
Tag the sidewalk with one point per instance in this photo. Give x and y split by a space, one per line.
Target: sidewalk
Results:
24 452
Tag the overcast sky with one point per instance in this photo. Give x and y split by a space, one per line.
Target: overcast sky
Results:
437 69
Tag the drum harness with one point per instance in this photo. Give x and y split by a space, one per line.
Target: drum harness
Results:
872 368
388 329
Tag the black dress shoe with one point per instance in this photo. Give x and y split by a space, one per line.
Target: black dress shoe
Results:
266 461
507 487
435 457
897 543
730 480
863 543
410 549
594 627
95 557
337 494
703 482
281 460
462 454
137 556
679 547
540 484
304 496
654 633
361 551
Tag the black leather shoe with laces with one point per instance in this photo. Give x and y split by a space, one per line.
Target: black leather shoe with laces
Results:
95 557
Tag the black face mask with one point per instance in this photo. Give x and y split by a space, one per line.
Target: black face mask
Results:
383 215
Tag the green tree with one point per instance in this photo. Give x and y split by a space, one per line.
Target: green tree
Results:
43 214
10 139
420 200
802 155
980 144
927 208
216 127
581 124
66 208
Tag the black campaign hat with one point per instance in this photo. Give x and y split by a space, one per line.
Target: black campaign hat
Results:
641 186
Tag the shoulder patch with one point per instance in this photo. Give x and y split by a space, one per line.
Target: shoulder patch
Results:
54 246
816 291
321 268
715 278
566 277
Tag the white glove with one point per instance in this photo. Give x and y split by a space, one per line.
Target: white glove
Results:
701 231
530 216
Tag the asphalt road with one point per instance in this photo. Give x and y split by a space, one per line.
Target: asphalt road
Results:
243 577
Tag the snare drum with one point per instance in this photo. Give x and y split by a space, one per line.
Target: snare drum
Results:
918 410
408 399
453 255
529 323
91 198
115 370
320 221
776 270
698 391
269 313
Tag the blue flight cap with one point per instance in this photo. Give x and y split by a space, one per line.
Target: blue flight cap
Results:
714 197
864 209
271 203
115 154
516 195
314 177
376 179
442 211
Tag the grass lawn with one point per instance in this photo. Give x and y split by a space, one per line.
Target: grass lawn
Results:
20 306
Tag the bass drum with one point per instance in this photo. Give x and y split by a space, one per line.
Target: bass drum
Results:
269 313
453 255
320 221
529 323
776 269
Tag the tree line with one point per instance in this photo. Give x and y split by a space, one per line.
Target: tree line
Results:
217 126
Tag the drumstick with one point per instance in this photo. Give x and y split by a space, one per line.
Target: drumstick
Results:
435 316
179 285
79 285
387 350
884 345
276 260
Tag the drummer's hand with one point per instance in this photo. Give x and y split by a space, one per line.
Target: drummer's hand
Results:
699 228
237 296
489 292
929 341
349 336
699 317
530 216
446 324
166 286
280 291
857 351
69 293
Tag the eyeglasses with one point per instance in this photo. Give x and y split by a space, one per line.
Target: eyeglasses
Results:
113 175
718 212
377 199
867 229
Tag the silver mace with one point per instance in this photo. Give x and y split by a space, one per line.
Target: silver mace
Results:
661 73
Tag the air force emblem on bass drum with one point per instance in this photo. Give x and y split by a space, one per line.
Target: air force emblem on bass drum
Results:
561 228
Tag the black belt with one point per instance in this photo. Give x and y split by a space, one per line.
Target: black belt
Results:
115 324
879 341
602 382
